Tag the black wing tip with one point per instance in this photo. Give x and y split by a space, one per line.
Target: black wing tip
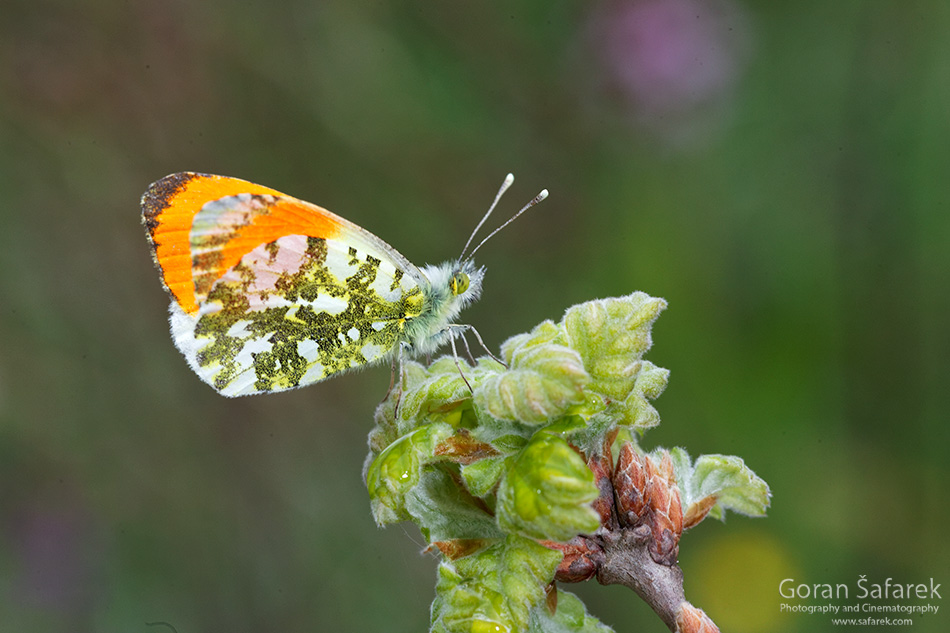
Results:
159 195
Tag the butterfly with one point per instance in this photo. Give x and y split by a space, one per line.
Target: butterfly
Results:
270 293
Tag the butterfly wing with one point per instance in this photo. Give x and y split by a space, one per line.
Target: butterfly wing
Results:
270 292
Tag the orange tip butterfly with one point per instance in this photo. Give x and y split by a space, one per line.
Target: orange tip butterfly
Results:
270 292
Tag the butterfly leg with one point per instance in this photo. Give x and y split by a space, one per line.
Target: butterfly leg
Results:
468 350
397 360
402 381
455 356
392 377
485 347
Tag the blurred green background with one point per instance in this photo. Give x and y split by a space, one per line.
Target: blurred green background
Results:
777 171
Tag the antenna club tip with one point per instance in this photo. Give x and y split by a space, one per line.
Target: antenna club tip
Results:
542 195
510 178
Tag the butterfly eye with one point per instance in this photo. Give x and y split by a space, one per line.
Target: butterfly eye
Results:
459 283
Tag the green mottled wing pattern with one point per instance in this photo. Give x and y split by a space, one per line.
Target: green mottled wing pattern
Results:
297 310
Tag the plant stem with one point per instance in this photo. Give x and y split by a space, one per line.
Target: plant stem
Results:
628 563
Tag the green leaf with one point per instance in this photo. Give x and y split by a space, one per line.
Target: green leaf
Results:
398 468
542 334
570 617
611 336
511 443
467 605
547 491
444 512
424 395
636 409
724 478
494 589
441 385
481 476
544 379
387 429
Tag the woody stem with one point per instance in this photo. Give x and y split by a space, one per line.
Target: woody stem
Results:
628 562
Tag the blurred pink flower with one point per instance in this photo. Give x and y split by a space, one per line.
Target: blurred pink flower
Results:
671 56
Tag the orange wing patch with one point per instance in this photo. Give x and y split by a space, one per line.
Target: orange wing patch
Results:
169 210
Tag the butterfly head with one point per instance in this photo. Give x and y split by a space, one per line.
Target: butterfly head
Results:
454 284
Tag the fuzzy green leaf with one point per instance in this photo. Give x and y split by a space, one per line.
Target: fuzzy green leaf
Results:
547 491
636 410
481 476
442 384
543 381
467 605
397 469
494 589
544 333
443 512
508 444
611 336
421 395
724 478
388 429
570 617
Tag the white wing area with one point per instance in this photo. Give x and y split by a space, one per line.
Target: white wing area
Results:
298 310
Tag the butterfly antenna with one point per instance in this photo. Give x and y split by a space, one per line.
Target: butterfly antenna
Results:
510 178
538 198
